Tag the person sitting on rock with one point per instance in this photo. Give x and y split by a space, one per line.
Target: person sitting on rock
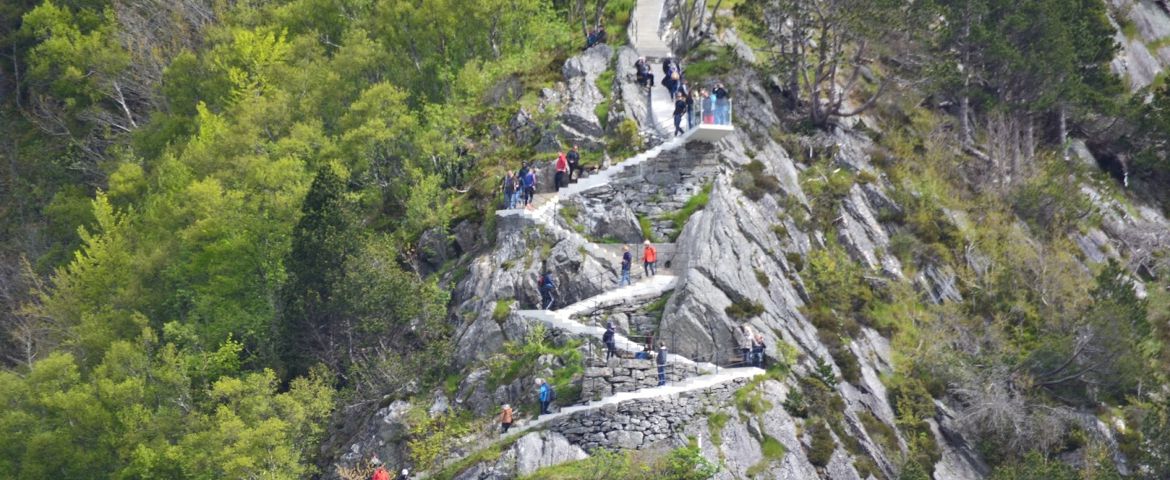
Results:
505 418
599 36
661 361
574 158
608 339
645 76
649 259
644 354
405 475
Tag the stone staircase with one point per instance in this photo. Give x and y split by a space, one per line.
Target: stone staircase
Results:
702 380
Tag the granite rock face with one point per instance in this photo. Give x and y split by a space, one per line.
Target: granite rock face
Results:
530 453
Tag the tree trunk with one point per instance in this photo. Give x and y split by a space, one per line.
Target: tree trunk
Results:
1063 113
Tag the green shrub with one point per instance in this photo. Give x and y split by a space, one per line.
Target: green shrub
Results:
821 448
695 203
881 433
763 278
755 183
647 229
744 309
626 138
772 448
500 313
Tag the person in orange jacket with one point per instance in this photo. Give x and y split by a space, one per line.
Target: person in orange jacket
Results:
649 259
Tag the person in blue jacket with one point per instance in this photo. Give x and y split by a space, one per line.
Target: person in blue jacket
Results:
627 259
545 395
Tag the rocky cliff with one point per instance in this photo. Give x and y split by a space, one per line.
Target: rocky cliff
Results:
746 255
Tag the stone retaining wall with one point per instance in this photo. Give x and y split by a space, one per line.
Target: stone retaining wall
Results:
642 423
631 320
627 375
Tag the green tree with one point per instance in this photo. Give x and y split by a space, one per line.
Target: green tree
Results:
323 240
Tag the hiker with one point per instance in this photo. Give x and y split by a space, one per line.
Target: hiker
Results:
590 39
529 182
707 106
380 472
649 259
644 75
607 339
405 475
510 190
722 104
574 158
671 76
627 259
505 418
680 109
599 36
546 395
661 360
758 350
689 96
746 338
562 167
547 291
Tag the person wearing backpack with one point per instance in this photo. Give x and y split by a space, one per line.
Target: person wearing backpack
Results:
627 259
661 361
547 291
649 259
608 339
510 190
546 396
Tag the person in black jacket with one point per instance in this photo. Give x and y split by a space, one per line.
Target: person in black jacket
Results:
574 157
661 361
608 340
685 91
680 109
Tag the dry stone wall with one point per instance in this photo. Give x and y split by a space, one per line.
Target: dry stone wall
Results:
642 423
627 375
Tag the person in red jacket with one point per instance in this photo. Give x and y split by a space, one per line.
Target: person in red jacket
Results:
380 473
649 259
562 171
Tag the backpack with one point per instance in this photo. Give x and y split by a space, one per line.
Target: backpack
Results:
547 281
552 394
608 337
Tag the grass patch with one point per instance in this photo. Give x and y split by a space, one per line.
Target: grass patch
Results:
762 278
744 309
880 432
754 183
772 448
695 203
647 229
604 84
715 424
500 313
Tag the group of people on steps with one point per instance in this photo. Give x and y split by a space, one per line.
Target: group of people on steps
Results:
547 285
519 187
714 106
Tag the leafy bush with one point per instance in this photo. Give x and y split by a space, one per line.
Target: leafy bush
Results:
694 204
755 183
744 309
821 446
500 313
626 138
715 423
762 278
